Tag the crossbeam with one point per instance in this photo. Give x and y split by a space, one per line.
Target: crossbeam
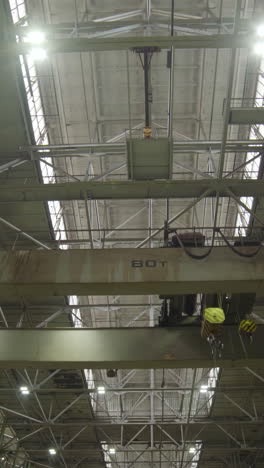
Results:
127 190
246 116
178 146
213 41
128 271
65 28
123 348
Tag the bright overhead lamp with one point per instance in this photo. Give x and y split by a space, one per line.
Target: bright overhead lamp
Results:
52 451
203 388
24 390
35 37
38 54
101 390
260 30
112 450
259 48
192 450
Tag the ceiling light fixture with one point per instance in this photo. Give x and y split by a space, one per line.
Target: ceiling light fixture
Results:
260 30
52 451
259 48
35 37
24 390
101 390
38 54
192 450
112 451
203 388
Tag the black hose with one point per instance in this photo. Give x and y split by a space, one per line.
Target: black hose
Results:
190 254
241 254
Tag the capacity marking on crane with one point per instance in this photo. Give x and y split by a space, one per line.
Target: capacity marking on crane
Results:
148 263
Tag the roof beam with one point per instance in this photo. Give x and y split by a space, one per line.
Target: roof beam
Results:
214 41
185 146
122 348
88 26
77 391
129 271
174 424
130 190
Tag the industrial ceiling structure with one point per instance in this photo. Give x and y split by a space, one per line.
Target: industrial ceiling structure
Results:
123 126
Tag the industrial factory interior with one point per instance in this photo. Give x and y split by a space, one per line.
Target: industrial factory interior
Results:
131 233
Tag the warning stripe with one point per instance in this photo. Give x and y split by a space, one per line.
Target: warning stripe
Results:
214 315
248 326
